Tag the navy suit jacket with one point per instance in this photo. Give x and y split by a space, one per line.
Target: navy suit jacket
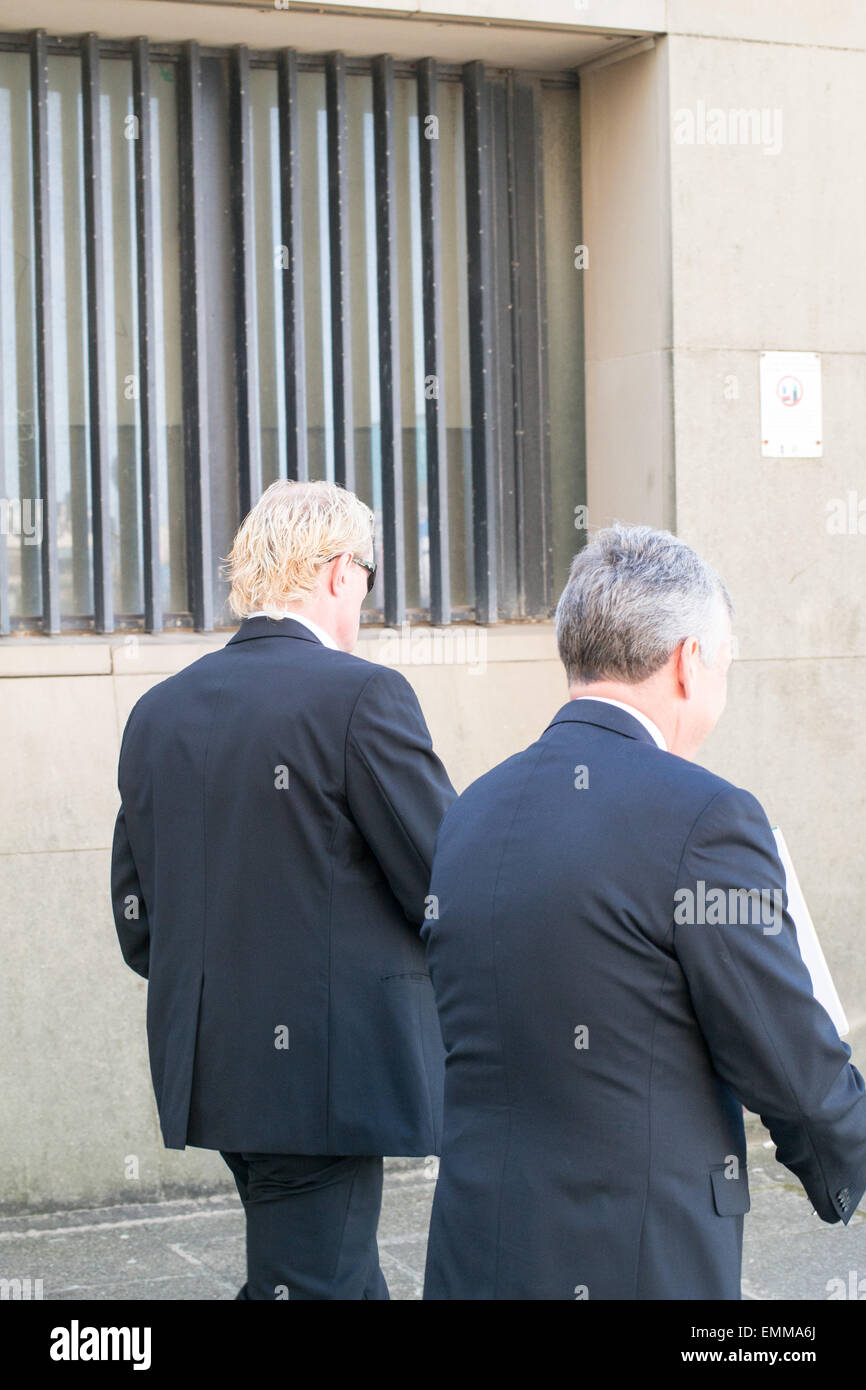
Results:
600 1046
280 803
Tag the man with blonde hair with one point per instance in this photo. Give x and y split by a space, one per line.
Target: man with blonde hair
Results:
280 805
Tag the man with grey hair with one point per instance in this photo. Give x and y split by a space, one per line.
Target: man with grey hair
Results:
602 1039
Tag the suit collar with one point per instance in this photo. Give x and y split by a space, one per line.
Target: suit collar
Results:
273 627
604 717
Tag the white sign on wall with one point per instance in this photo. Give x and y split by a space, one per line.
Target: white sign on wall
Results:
791 405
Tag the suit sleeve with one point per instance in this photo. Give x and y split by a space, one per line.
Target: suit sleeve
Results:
397 789
770 1041
127 898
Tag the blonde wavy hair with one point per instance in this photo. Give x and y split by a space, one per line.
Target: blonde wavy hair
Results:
281 544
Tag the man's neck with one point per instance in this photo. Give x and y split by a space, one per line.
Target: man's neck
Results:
639 697
316 621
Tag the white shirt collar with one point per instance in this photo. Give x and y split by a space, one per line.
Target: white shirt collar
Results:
637 713
324 637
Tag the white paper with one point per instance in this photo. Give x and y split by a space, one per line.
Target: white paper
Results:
810 947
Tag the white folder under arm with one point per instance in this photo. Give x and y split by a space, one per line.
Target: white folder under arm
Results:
810 947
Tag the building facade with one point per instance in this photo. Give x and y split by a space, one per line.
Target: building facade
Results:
508 271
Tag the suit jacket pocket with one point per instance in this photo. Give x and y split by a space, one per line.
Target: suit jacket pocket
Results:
730 1194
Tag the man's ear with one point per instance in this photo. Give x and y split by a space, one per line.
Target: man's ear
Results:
337 574
689 654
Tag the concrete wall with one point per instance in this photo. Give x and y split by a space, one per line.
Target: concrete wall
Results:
701 257
555 33
628 310
778 239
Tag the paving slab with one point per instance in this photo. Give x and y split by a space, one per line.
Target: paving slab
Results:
193 1248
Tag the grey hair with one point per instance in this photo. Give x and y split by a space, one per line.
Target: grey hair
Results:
633 595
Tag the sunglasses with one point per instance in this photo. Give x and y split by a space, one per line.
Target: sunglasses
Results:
371 569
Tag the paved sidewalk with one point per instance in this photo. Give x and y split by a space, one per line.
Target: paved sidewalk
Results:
194 1249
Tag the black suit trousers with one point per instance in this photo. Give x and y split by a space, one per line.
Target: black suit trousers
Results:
311 1226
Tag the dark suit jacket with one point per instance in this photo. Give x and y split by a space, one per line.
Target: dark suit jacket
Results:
280 803
599 1052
